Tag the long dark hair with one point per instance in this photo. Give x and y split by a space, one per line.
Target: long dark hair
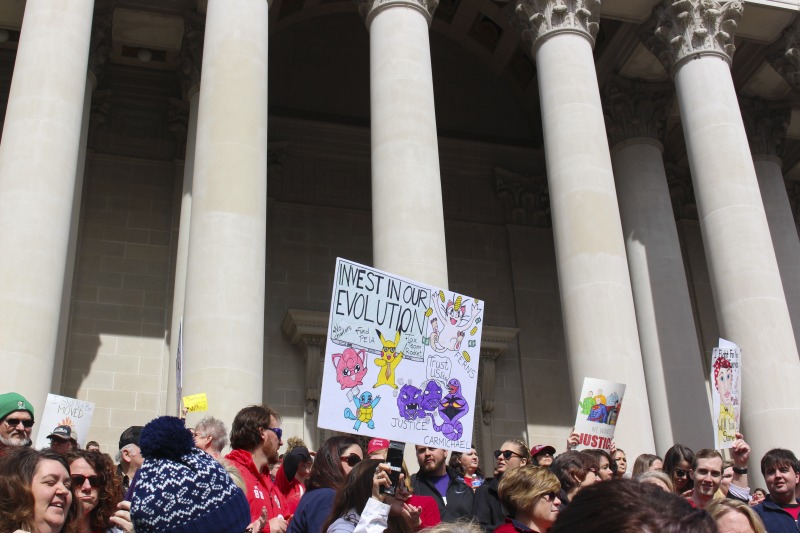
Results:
675 455
109 493
17 468
355 493
327 471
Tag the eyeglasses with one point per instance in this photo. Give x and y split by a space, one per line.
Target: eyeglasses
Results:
681 473
14 422
78 480
549 496
351 460
507 454
278 432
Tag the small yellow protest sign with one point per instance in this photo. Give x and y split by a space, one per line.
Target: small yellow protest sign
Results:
196 402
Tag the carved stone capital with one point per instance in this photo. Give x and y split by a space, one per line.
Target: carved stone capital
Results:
178 123
190 63
309 331
635 109
766 124
542 18
526 197
100 42
494 343
370 8
688 28
787 61
681 192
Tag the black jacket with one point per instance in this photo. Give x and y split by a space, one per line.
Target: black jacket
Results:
487 507
775 518
459 495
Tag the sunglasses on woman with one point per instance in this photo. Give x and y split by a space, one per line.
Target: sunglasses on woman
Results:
507 454
352 459
78 480
681 473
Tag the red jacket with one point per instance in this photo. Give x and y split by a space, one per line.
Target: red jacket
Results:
261 491
292 490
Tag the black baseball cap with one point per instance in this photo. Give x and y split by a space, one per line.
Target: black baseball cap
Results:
130 436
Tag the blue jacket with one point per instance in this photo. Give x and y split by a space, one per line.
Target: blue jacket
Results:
775 518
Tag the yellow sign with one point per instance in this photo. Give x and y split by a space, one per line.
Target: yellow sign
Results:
196 402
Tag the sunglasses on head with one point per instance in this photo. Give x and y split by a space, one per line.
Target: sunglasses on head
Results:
78 480
681 473
352 459
14 422
507 454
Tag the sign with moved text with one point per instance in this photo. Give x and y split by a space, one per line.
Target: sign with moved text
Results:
401 359
64 411
598 411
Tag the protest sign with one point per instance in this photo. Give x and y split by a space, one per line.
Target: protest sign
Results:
598 411
401 359
64 411
726 393
196 402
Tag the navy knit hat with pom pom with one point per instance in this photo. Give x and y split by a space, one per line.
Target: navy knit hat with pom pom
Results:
180 488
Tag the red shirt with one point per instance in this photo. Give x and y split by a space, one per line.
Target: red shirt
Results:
292 490
261 491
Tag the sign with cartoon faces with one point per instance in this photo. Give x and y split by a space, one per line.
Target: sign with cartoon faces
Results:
401 359
598 411
726 392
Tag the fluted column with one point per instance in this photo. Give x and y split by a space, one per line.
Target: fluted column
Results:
695 42
38 165
636 113
597 303
766 127
226 264
406 185
190 64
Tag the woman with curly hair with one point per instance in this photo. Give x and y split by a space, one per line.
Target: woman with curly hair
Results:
97 490
35 491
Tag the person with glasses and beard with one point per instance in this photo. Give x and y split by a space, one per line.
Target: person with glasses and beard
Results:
436 479
255 441
487 507
16 421
530 493
333 462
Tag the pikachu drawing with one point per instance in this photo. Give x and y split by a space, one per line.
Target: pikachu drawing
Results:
388 361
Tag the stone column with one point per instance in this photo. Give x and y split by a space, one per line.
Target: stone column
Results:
190 64
636 113
597 303
226 266
38 165
694 39
406 187
766 128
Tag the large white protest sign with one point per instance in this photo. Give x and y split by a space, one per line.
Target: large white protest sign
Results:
401 359
64 411
598 411
726 394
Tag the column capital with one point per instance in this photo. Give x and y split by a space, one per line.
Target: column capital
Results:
787 61
100 43
370 8
191 59
526 197
543 18
766 125
693 28
635 109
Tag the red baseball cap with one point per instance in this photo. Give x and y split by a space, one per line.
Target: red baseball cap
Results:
377 444
542 448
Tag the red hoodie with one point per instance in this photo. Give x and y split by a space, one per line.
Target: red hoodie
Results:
261 491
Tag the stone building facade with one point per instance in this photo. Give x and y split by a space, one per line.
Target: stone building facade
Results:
616 179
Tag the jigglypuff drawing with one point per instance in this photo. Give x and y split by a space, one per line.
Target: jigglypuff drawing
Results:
351 367
388 361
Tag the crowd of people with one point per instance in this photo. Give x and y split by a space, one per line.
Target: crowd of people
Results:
170 477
